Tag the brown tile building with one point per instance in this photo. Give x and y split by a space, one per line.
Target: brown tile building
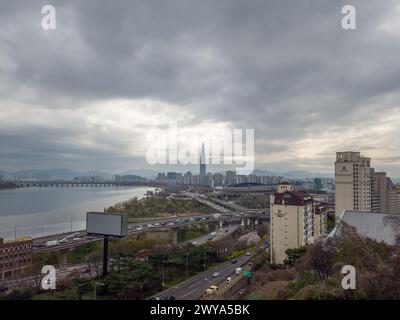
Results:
15 257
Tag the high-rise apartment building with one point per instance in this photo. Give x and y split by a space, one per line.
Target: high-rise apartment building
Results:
292 221
230 177
352 182
393 202
203 179
384 197
378 191
218 179
397 188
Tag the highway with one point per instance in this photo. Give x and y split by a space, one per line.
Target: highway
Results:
71 240
219 205
195 287
219 234
188 290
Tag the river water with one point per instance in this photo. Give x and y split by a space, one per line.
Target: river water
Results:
43 211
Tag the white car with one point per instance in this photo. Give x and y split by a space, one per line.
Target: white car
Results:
216 274
139 228
150 225
229 279
157 224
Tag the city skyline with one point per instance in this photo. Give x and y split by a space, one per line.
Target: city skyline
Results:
307 87
204 164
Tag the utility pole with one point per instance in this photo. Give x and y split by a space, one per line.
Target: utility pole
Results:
105 256
163 274
187 265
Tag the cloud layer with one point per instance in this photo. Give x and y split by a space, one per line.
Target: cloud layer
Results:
85 95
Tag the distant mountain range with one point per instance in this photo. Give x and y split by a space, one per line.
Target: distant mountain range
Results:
148 173
295 174
145 173
69 174
57 173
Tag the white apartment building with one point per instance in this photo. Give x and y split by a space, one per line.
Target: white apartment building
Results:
292 221
352 182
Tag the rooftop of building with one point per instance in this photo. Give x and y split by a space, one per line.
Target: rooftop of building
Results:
17 240
291 198
377 226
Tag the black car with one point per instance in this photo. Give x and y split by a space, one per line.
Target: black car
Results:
234 261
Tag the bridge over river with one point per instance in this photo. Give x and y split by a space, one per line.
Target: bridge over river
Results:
88 184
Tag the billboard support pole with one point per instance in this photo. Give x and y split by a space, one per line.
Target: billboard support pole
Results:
105 256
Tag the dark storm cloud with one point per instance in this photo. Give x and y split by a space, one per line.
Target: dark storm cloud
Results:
286 69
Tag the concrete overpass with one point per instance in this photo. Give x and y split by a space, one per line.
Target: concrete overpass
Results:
248 218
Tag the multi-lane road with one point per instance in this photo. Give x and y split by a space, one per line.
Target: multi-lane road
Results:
235 212
216 235
71 240
190 289
195 287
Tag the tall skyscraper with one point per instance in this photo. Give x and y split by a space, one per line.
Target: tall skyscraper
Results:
352 182
203 168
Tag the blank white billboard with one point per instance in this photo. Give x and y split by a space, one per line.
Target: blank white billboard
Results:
110 224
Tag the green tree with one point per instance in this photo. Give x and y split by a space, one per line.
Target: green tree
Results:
293 255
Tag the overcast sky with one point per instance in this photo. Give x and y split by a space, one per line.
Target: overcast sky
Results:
85 96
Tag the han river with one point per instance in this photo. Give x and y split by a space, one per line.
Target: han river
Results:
39 212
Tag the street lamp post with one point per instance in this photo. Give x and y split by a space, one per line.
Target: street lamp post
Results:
95 287
187 265
163 272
